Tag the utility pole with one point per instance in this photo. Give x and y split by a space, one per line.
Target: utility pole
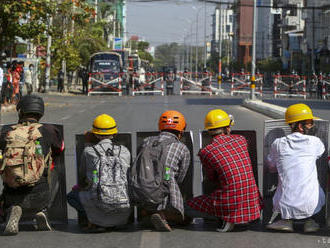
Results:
49 44
313 41
205 52
253 73
196 48
220 48
96 9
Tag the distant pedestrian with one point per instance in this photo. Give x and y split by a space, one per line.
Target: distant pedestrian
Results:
84 78
15 72
319 88
1 82
60 81
29 79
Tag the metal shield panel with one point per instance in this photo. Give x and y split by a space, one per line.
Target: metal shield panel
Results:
57 212
124 139
251 138
276 129
187 139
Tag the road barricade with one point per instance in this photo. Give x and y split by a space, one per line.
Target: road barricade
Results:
105 83
201 85
325 86
57 211
276 129
124 139
240 84
147 84
187 186
251 139
290 85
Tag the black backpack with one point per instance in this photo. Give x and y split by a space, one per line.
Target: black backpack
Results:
147 184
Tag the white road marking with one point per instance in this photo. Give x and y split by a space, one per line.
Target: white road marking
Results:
150 240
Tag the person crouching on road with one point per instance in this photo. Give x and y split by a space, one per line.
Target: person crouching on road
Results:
226 161
102 193
28 151
298 194
160 167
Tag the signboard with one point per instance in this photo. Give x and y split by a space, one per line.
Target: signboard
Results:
118 43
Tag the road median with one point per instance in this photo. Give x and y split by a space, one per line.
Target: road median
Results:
270 110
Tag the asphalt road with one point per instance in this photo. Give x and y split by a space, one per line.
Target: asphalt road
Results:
141 113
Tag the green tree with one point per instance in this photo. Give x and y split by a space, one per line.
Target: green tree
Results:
24 18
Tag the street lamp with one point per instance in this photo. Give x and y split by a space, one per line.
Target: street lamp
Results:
196 49
253 69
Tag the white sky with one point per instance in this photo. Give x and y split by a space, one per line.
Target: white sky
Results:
169 21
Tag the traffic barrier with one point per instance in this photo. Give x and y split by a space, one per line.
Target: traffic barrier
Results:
124 139
105 83
325 86
240 84
278 128
251 139
202 85
57 212
148 86
290 85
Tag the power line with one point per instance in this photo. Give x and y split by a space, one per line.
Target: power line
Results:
268 6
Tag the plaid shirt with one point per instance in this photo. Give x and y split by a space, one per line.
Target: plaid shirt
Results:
178 159
227 163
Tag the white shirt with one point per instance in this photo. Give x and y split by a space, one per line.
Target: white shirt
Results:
1 77
298 194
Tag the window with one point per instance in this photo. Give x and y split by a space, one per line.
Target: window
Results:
228 28
231 18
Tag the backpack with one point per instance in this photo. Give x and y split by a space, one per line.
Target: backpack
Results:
147 182
109 190
23 161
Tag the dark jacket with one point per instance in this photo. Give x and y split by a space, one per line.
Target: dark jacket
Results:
34 198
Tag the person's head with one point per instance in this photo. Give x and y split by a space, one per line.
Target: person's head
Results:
31 66
172 121
300 119
30 107
218 122
104 127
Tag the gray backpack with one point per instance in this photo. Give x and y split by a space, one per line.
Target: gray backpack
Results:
110 187
146 179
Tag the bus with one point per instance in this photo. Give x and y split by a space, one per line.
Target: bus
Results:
105 69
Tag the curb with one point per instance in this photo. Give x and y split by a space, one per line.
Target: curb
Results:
270 110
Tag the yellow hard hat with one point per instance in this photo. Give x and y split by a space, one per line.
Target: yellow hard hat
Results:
217 118
104 125
298 112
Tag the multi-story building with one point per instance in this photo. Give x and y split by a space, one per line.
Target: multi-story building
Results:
243 30
292 29
317 35
225 19
268 29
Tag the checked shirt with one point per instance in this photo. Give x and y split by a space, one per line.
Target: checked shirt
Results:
227 163
178 160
